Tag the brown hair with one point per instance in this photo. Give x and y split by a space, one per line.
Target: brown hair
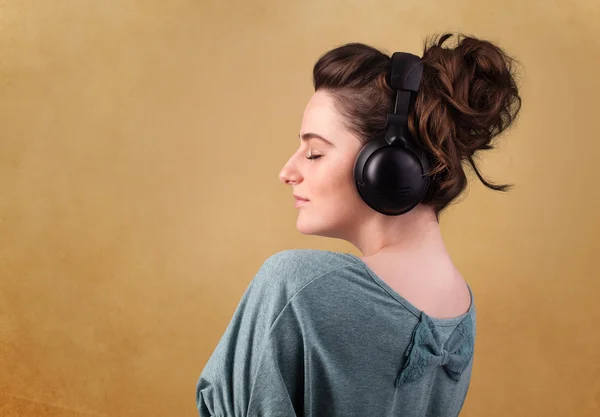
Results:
468 96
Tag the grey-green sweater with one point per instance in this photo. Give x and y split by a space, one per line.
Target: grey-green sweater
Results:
318 333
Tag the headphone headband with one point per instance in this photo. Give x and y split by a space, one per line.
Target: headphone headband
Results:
406 73
405 78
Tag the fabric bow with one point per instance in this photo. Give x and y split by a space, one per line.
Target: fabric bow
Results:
425 351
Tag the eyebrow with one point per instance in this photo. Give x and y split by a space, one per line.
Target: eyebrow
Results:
310 135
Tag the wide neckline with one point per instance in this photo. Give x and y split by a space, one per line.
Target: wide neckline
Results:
442 322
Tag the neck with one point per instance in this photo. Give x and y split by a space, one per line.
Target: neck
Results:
416 232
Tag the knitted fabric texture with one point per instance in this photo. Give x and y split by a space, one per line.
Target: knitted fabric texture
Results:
425 352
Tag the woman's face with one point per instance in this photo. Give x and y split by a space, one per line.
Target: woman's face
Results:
334 207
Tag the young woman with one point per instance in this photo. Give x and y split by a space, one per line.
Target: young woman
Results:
390 333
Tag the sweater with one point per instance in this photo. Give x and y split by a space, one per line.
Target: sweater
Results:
318 334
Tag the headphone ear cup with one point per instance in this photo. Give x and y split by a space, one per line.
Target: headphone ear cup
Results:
390 179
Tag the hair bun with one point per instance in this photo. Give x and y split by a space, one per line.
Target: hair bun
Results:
468 96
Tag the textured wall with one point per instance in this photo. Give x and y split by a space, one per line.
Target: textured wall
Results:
140 146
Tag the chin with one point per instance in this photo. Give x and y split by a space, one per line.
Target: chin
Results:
305 226
305 229
309 228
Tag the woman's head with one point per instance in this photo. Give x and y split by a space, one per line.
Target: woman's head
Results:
467 97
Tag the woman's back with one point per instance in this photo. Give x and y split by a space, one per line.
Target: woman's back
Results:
432 285
319 334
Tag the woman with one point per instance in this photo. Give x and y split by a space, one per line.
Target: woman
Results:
390 333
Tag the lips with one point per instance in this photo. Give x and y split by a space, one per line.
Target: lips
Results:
300 198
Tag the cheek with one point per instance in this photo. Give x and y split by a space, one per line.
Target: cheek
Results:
337 186
333 181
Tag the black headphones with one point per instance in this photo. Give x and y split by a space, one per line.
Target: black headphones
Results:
391 170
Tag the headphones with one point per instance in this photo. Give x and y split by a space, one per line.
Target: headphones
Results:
391 170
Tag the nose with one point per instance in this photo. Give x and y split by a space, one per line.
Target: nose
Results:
288 174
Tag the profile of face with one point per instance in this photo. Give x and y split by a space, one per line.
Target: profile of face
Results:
326 179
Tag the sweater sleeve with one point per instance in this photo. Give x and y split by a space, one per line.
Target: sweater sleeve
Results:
278 388
255 363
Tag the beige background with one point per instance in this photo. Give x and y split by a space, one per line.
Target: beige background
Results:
140 146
